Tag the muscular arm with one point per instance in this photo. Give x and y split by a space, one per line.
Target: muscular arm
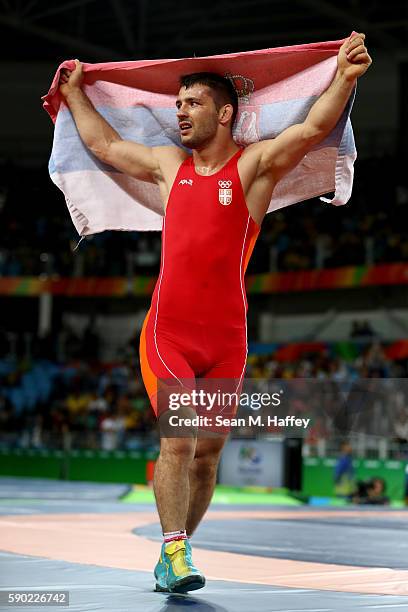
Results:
107 145
282 154
150 164
277 157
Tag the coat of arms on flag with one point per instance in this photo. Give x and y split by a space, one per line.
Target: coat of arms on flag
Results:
225 193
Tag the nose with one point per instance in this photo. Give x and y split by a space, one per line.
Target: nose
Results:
181 114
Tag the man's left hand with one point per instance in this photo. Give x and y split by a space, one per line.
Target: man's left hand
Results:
353 59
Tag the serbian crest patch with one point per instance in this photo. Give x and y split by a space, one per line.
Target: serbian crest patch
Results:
225 192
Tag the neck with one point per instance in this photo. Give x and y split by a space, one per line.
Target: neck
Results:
213 156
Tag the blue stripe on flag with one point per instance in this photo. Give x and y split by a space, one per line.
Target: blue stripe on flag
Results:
158 127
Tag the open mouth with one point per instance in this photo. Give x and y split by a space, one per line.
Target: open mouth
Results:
185 126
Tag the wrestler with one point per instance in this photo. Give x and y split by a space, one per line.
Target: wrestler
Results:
214 202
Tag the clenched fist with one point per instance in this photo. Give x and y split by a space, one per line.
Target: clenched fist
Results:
71 79
353 59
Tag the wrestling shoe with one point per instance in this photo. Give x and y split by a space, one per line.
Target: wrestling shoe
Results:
175 572
160 573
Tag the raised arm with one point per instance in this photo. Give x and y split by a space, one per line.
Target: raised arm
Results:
280 155
98 135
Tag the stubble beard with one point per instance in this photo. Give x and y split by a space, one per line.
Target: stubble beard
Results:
202 137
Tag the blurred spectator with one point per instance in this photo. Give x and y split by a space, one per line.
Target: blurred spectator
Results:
371 492
112 428
90 342
344 475
401 431
361 329
376 361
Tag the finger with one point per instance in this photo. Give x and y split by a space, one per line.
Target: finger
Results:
361 58
357 39
357 51
352 50
356 42
357 34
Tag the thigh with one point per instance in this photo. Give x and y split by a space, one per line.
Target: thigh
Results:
229 368
228 350
223 381
164 368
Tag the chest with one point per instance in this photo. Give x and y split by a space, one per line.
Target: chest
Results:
196 201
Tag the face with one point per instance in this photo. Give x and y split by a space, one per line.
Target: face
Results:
378 486
197 116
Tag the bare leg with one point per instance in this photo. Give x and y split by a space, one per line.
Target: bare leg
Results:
203 474
171 481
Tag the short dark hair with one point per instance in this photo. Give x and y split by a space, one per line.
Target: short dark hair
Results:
223 89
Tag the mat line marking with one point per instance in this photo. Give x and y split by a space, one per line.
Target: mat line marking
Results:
306 610
28 525
225 545
270 591
73 587
388 606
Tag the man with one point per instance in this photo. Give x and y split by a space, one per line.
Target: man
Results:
344 473
196 326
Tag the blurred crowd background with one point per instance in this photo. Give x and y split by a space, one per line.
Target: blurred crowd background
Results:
83 402
41 241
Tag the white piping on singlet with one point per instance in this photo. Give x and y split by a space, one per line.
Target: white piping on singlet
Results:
157 306
241 277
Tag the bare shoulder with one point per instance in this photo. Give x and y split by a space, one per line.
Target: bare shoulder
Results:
169 158
169 152
253 152
257 186
248 164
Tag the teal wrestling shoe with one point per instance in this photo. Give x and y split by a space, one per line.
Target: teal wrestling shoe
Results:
175 572
160 573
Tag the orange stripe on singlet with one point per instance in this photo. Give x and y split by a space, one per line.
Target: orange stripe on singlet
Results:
250 249
149 377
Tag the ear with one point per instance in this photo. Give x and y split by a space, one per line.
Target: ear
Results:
225 113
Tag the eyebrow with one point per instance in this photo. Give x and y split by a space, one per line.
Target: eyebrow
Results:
192 99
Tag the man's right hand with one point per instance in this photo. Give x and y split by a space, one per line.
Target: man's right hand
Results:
71 80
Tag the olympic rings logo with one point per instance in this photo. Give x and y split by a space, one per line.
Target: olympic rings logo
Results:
225 184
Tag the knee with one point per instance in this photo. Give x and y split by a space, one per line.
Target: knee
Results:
205 467
181 450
